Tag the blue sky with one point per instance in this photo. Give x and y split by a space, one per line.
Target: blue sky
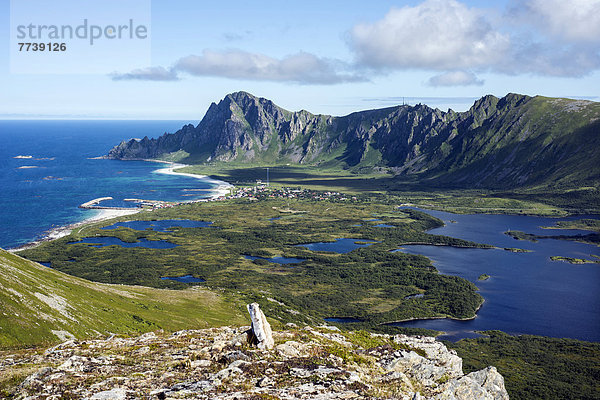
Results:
330 57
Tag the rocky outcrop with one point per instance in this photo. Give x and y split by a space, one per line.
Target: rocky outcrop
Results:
498 142
260 328
306 363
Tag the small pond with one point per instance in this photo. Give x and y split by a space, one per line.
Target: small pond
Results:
342 246
184 279
278 260
343 320
102 241
163 225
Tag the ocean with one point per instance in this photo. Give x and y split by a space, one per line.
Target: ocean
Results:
47 171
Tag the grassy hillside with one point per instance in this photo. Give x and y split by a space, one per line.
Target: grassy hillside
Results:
40 305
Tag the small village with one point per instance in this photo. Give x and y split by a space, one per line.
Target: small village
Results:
260 191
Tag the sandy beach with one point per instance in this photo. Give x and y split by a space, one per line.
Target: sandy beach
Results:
222 188
61 231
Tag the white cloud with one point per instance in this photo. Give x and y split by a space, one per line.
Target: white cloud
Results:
455 78
147 74
436 34
303 68
445 37
540 37
572 20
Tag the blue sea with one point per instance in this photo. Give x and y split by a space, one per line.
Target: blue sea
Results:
44 190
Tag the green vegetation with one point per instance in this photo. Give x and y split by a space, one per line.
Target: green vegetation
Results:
305 176
572 260
483 277
480 202
584 224
591 238
515 250
371 283
408 191
519 235
536 367
41 306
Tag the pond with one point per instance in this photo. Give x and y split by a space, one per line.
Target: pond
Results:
344 320
342 246
102 241
163 225
527 293
184 279
278 259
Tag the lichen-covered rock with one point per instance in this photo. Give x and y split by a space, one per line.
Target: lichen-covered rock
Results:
305 363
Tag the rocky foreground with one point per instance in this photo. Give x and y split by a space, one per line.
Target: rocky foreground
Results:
220 363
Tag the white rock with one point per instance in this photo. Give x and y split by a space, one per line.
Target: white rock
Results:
289 349
200 363
261 327
113 394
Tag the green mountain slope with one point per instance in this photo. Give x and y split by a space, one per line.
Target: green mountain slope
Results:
498 143
41 305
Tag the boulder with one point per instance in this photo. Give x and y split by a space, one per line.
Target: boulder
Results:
261 328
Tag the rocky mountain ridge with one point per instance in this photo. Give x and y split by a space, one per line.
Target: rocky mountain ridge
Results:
218 363
498 143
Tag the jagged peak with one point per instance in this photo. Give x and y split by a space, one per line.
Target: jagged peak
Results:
240 94
484 102
245 101
515 96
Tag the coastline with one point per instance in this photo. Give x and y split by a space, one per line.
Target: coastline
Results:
62 231
222 189
438 317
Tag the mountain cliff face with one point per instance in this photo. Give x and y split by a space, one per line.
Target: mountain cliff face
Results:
513 141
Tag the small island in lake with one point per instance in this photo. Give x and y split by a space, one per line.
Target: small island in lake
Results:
515 250
573 260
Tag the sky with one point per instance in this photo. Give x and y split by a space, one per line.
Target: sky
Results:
327 57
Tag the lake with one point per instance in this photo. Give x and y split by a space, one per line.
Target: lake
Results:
526 293
342 246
